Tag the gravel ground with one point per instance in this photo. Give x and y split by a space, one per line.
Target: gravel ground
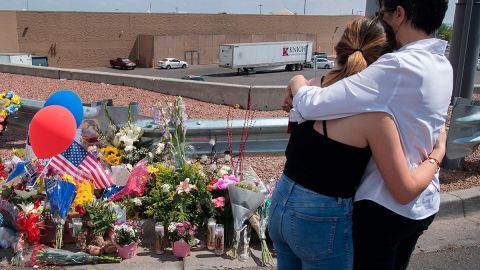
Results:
267 167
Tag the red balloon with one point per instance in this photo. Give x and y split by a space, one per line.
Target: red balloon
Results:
52 131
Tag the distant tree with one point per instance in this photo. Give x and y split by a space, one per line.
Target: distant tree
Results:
445 32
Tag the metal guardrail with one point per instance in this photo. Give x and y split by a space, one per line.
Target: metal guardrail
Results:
266 136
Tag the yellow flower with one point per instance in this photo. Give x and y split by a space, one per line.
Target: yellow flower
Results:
68 178
6 102
112 155
151 169
2 95
3 113
16 99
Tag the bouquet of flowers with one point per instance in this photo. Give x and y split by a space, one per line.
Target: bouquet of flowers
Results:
60 195
182 230
127 233
245 200
178 194
173 118
30 222
9 104
40 255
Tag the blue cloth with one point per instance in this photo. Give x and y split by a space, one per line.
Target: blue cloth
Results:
310 230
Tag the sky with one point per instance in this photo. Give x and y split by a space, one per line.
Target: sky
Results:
312 7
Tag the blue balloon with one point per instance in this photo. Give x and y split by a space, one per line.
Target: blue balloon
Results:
70 101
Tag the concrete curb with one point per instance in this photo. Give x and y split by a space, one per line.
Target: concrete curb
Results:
459 203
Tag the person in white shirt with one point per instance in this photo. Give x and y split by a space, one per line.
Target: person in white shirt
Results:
413 85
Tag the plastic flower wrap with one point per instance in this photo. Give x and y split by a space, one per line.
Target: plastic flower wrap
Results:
60 195
244 203
136 182
9 105
40 255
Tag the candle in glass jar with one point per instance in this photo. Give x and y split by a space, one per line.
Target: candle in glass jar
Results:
211 234
219 239
159 234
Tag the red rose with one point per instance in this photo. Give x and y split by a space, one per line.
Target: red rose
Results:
81 210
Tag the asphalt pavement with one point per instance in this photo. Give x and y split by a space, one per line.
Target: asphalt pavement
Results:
213 73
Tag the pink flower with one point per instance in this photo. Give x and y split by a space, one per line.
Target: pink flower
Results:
219 202
225 181
185 186
2 119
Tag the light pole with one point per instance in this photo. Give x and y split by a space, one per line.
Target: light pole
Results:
260 6
304 7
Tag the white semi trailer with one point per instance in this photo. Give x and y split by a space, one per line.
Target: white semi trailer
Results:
261 56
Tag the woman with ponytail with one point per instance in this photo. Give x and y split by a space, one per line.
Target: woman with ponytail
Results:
400 106
310 219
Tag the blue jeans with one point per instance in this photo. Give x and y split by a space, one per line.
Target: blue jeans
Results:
310 230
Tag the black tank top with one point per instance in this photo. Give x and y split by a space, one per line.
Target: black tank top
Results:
323 165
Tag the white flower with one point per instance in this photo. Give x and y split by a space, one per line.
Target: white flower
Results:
228 158
212 142
202 174
137 201
129 148
160 148
166 188
213 167
24 194
203 158
172 227
150 155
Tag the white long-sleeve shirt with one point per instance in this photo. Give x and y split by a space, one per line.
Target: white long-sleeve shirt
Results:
414 85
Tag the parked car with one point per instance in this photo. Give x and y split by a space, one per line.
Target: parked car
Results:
325 63
122 63
169 63
319 55
193 78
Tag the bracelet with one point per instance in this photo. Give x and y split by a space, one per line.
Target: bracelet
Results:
433 161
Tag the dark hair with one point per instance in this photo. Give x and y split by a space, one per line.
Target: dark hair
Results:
426 15
362 43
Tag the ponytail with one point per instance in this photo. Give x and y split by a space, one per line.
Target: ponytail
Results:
362 43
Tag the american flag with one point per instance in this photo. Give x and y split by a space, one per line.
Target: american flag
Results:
80 164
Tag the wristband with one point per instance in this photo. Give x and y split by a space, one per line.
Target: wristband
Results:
433 161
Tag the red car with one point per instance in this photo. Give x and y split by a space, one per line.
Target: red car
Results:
122 63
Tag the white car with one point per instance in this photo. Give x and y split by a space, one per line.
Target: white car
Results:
325 63
169 63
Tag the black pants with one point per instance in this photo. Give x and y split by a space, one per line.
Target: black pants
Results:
382 239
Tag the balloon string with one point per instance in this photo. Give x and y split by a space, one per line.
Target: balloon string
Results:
45 169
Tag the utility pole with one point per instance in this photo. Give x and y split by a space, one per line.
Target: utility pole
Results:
260 8
304 7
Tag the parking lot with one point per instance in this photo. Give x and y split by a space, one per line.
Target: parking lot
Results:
213 73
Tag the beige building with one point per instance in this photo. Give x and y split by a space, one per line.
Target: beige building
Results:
86 39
